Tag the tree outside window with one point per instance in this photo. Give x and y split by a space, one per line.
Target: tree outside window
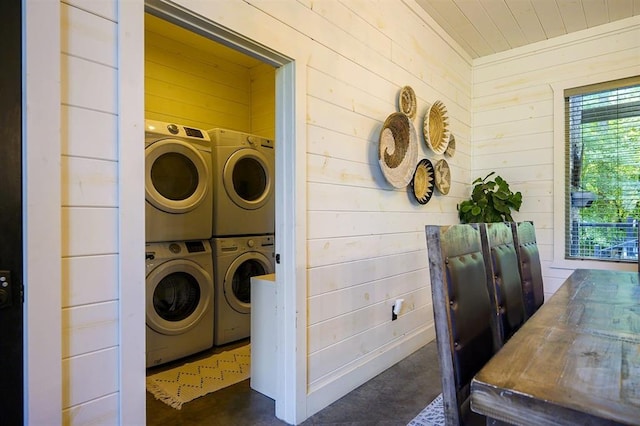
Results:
603 168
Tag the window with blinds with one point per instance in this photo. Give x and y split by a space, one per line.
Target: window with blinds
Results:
603 171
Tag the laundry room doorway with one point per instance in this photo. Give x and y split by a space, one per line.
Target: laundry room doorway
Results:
268 71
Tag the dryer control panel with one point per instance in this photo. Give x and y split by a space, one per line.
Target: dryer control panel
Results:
194 246
171 129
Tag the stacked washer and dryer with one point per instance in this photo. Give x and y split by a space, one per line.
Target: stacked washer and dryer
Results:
209 228
243 226
179 262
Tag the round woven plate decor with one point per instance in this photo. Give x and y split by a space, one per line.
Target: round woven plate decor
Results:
407 101
443 176
451 146
436 127
423 181
398 149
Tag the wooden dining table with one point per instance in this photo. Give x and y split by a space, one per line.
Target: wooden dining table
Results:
576 361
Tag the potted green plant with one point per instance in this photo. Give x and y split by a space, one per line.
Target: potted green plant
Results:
491 201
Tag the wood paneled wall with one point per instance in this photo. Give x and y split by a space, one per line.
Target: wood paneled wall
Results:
89 212
513 118
197 82
263 101
365 240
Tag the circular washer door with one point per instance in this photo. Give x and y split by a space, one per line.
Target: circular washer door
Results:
247 178
237 279
179 293
176 176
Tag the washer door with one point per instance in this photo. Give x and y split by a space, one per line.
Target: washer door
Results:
247 178
179 293
176 176
237 279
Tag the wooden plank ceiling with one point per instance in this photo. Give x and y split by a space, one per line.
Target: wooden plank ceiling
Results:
484 27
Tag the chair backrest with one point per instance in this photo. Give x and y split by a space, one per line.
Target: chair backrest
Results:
524 235
466 330
503 276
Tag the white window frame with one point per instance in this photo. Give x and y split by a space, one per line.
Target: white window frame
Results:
559 186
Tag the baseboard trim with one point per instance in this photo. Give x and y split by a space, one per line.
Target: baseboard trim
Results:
384 358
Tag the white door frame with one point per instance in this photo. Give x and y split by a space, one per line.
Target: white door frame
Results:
42 214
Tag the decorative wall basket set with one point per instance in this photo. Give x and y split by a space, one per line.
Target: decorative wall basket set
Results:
398 148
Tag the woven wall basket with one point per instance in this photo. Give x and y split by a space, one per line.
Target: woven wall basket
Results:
407 102
451 146
423 181
436 127
442 174
398 149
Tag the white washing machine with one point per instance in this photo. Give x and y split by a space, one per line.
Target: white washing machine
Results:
243 183
236 260
179 299
177 184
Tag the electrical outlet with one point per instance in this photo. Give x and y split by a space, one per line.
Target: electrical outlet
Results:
396 308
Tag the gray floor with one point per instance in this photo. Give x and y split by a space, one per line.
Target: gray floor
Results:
392 398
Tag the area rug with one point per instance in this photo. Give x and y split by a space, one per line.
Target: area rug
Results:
189 381
432 415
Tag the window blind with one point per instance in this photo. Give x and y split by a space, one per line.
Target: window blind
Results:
602 175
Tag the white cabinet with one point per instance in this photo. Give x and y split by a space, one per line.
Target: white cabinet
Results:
263 334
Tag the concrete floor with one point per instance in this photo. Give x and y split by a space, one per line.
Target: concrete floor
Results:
393 398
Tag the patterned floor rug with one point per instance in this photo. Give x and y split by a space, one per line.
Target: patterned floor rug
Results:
432 415
189 381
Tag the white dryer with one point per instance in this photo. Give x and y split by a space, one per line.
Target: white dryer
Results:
236 260
177 185
243 183
179 300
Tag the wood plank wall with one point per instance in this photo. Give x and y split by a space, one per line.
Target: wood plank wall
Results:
89 212
197 82
366 243
513 117
263 102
